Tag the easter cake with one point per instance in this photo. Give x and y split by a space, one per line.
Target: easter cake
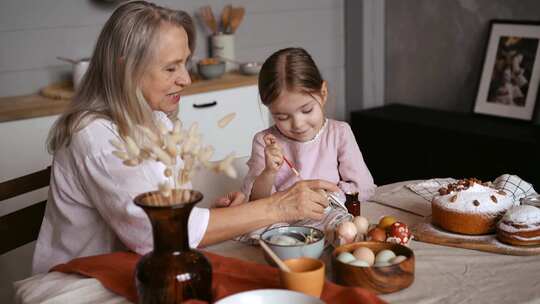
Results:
469 207
520 226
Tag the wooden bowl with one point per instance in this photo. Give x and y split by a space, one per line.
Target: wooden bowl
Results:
384 279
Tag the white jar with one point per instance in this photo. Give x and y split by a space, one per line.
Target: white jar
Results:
222 45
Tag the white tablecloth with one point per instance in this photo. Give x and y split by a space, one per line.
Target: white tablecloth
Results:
442 274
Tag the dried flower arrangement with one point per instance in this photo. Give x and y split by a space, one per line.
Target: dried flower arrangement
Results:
166 146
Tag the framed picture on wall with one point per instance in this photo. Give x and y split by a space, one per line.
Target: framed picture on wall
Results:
511 72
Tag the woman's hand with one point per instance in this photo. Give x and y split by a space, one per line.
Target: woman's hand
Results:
302 200
273 154
232 199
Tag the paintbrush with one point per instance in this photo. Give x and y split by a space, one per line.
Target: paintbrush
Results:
292 167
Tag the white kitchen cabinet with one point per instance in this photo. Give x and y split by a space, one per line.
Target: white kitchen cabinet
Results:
208 108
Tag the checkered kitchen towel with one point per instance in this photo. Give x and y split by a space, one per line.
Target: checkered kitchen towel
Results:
512 184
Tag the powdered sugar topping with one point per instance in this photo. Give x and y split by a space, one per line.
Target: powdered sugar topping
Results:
476 198
523 215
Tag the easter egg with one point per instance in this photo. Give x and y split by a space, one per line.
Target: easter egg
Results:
377 234
364 254
345 257
399 233
361 224
347 232
359 263
382 264
398 259
384 256
386 221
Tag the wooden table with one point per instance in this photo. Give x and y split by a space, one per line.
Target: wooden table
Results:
442 274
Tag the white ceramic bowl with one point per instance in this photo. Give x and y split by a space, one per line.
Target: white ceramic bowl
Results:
250 68
269 296
311 250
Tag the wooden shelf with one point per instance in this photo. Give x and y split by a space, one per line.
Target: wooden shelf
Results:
35 105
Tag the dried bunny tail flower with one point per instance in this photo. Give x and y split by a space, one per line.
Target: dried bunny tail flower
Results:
132 162
193 130
162 128
177 138
205 154
121 154
177 128
189 162
190 145
168 172
162 156
184 177
117 144
223 122
165 189
186 195
145 154
131 147
226 166
170 146
149 134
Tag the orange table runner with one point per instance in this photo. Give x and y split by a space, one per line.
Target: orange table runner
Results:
116 271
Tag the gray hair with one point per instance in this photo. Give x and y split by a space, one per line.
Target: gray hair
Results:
108 90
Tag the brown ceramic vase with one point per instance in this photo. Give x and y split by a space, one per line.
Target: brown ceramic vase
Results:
172 272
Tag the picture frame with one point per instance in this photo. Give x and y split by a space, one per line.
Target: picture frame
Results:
511 71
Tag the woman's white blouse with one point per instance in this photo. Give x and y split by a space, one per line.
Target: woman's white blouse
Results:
90 208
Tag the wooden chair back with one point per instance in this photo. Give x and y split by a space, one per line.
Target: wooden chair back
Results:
22 226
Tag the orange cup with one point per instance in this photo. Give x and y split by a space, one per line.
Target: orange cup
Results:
307 276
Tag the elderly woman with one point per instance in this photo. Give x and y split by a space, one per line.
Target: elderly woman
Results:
136 77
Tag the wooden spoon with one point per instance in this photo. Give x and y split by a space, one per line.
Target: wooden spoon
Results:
226 18
208 18
274 257
236 19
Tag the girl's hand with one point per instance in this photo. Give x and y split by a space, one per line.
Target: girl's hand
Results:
232 199
272 153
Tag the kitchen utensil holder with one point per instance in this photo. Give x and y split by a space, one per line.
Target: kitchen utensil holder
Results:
222 45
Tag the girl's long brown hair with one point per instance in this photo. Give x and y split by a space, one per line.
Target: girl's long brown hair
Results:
290 69
109 88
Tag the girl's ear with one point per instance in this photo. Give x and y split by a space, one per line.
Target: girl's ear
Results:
324 92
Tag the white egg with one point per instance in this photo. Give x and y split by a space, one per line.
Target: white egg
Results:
362 224
398 259
283 240
382 264
347 231
365 254
384 256
359 263
345 257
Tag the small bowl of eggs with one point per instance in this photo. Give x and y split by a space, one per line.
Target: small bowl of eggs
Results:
378 266
290 242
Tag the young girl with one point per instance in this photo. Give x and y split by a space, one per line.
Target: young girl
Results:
291 86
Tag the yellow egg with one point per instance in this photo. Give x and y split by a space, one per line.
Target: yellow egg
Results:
386 221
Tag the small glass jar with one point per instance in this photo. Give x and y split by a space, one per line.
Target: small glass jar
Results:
352 203
533 200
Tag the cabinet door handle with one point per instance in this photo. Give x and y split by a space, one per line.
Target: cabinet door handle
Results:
205 105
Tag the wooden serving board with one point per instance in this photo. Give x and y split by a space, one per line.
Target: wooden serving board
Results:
426 232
